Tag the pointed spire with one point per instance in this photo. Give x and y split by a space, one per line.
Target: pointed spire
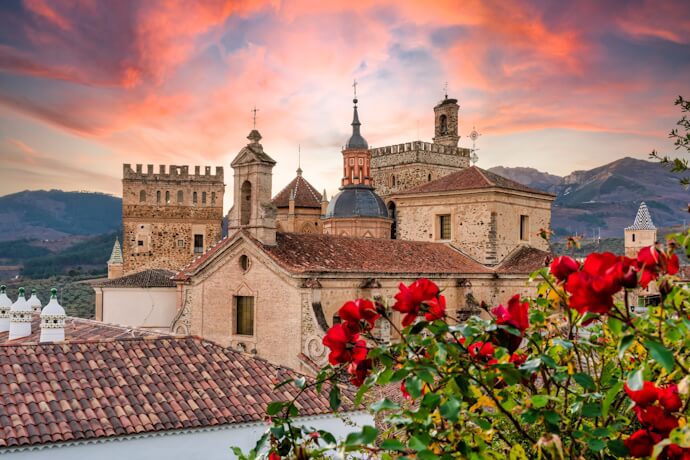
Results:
5 305
34 302
53 320
323 197
116 254
643 220
299 160
356 141
20 317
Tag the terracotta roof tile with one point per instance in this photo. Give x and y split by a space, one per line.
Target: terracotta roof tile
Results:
306 195
212 386
469 179
523 260
144 279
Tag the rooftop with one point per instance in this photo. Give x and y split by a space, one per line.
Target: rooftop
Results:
643 220
472 178
95 390
523 259
144 279
305 194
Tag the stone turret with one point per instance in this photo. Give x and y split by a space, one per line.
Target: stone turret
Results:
53 320
642 233
5 305
446 121
20 317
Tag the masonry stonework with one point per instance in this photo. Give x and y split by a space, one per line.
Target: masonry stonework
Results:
162 212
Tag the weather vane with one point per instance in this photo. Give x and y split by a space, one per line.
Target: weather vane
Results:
354 85
474 135
255 110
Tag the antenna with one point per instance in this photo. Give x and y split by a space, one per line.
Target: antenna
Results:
299 156
474 135
255 110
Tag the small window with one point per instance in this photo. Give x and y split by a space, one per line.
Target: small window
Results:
352 161
203 197
392 181
194 198
633 237
429 178
180 196
180 243
158 196
444 227
198 244
140 243
167 197
244 315
142 196
524 228
244 262
213 197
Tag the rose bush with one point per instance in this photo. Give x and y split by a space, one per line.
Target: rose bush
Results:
575 372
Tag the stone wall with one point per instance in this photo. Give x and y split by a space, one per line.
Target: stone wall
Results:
162 211
304 220
638 239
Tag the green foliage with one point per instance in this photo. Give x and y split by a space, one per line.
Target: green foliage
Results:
681 141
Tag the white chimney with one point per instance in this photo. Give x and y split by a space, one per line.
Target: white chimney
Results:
5 304
53 320
20 317
35 303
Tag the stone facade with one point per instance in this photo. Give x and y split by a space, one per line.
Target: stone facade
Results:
484 224
300 220
169 217
360 227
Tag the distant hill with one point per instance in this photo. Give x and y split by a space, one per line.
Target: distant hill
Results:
605 199
54 214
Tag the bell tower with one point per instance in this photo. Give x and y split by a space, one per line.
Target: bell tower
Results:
446 122
641 234
252 209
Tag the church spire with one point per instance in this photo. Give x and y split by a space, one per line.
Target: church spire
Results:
356 140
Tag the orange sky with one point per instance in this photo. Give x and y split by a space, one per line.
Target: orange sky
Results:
87 85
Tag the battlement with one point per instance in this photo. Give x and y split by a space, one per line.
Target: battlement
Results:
172 172
419 146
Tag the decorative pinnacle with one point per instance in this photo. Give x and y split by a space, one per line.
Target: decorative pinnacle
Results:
255 110
354 85
33 291
2 289
21 291
53 293
323 197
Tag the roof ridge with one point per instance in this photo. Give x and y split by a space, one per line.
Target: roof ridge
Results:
484 176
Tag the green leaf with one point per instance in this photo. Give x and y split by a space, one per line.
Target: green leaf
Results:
531 365
413 385
610 397
417 444
392 444
450 408
385 377
426 455
274 407
384 404
366 436
517 452
591 410
661 354
539 401
334 398
615 325
596 444
624 345
617 448
635 380
585 381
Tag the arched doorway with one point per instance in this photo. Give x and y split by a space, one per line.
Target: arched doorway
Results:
393 214
245 203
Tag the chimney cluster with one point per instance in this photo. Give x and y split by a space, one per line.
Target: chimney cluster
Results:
16 318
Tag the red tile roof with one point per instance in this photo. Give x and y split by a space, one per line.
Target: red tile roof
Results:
305 253
94 390
80 329
306 195
144 279
470 179
523 260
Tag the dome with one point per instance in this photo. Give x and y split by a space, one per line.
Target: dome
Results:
53 308
356 201
20 305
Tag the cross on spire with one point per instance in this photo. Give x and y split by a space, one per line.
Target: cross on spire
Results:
354 85
255 110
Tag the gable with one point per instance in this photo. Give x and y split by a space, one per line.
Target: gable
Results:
252 154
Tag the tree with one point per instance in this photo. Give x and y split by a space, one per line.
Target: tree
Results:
681 141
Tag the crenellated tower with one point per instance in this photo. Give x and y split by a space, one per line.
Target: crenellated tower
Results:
169 217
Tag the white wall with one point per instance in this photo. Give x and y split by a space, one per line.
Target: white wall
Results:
140 307
183 445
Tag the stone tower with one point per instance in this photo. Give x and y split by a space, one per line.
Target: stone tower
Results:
169 217
252 209
446 122
396 168
115 263
641 233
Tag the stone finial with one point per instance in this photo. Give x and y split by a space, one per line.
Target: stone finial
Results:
20 317
5 305
254 136
34 302
53 320
324 197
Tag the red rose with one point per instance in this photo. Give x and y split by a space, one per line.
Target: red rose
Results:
409 298
481 350
345 346
437 308
654 262
273 456
656 418
359 371
515 315
593 287
669 398
518 359
645 396
355 313
675 452
563 266
640 444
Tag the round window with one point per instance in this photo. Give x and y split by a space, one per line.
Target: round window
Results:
244 262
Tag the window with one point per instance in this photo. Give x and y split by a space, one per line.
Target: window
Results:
194 198
393 215
429 178
392 181
245 203
524 228
244 315
633 237
361 161
203 197
142 196
352 161
158 196
444 227
180 197
167 197
443 124
180 243
244 262
198 244
213 197
140 243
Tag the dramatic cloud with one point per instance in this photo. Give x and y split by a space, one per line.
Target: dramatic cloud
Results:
86 85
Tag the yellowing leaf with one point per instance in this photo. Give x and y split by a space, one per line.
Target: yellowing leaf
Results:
517 453
483 401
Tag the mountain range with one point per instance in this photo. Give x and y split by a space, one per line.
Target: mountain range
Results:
604 200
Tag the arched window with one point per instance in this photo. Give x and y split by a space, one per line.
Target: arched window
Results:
203 197
392 181
194 198
213 197
443 124
142 196
429 178
245 203
180 196
393 214
158 196
167 197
